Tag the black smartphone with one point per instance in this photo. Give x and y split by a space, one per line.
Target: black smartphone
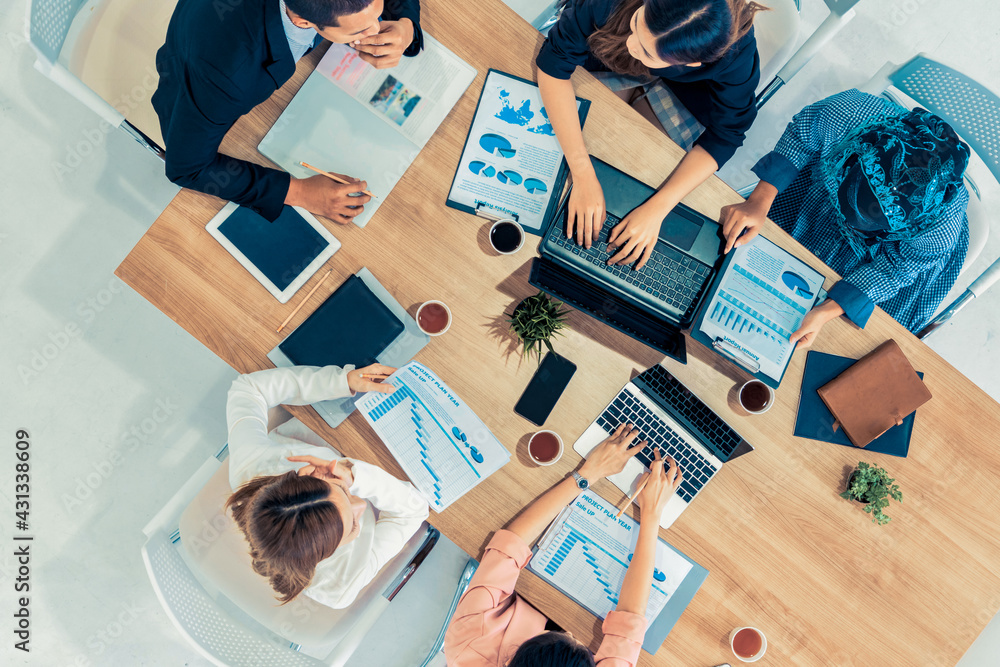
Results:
545 388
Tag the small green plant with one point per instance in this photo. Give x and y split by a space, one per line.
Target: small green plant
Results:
535 320
872 485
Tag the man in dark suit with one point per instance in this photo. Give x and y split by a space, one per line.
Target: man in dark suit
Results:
224 57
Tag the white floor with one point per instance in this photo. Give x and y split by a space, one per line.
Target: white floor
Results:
122 405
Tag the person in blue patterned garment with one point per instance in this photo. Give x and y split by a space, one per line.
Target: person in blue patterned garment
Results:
876 192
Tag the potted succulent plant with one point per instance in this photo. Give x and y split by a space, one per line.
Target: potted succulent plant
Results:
535 320
871 485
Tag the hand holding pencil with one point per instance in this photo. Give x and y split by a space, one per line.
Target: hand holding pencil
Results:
656 488
335 196
371 378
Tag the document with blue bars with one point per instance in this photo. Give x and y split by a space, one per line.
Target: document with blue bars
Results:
586 551
441 444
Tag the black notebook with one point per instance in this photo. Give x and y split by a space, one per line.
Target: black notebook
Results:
815 421
351 327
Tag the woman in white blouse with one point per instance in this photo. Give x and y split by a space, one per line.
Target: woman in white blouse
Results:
308 515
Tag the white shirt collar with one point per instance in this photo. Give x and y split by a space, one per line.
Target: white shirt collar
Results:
300 40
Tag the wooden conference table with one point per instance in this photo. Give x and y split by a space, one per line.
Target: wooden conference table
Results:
785 553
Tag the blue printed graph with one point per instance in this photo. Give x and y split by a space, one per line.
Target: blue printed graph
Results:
747 330
535 186
797 284
439 463
509 176
496 145
586 569
478 167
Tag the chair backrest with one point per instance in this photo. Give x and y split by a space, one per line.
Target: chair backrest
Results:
968 106
777 33
110 47
217 552
215 633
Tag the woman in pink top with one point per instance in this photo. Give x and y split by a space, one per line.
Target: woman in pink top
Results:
496 627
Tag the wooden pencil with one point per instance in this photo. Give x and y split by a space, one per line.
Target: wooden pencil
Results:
621 509
333 177
303 302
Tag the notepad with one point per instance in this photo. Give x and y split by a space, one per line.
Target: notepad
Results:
440 443
586 552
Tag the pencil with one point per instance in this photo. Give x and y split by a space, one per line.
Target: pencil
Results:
338 179
621 510
303 302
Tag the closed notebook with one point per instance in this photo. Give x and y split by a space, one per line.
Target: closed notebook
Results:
876 393
351 327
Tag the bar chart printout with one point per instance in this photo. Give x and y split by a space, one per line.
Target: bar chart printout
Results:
586 551
443 447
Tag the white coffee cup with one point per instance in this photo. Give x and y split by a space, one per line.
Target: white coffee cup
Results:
759 654
558 455
767 405
504 222
447 310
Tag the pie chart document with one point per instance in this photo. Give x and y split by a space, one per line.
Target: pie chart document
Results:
351 118
512 165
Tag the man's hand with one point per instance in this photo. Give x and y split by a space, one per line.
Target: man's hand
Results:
324 196
610 456
635 237
384 49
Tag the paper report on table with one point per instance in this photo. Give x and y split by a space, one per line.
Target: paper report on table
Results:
761 300
586 551
440 443
512 158
351 118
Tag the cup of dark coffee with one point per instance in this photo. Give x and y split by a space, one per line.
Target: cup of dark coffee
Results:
506 236
433 318
756 397
545 448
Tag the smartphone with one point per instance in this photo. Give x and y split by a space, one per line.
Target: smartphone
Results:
545 388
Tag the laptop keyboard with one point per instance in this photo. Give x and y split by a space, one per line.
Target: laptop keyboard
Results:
669 275
710 426
626 409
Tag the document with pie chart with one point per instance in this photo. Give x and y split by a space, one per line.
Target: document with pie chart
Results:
512 165
760 298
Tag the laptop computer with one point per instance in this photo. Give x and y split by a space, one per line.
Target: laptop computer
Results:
653 304
677 422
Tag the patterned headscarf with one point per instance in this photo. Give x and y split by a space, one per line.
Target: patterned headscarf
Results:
890 179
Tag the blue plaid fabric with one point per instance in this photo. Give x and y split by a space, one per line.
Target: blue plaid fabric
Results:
907 279
682 127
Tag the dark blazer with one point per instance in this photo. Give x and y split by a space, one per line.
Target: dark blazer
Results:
721 95
221 59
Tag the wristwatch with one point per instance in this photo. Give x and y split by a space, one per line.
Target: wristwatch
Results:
582 482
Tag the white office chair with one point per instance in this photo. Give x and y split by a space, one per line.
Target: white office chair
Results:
973 110
197 561
103 53
778 28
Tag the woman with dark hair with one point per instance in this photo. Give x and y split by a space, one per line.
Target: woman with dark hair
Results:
308 515
694 67
495 627
876 192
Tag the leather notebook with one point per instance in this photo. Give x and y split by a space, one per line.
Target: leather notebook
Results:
351 327
876 393
815 422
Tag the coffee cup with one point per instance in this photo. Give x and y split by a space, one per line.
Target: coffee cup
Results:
545 447
433 317
747 644
756 397
506 236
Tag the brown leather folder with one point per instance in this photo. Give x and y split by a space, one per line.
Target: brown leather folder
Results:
877 392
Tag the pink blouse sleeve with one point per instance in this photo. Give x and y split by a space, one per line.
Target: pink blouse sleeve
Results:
490 590
623 633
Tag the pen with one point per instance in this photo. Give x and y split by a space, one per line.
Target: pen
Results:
630 500
373 378
338 179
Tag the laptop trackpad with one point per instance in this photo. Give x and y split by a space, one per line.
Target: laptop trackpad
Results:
680 231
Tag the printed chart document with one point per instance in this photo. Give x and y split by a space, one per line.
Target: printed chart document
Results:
443 447
512 165
761 298
586 551
351 118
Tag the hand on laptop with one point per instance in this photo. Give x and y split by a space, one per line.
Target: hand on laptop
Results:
586 212
635 236
610 456
661 483
384 49
323 196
